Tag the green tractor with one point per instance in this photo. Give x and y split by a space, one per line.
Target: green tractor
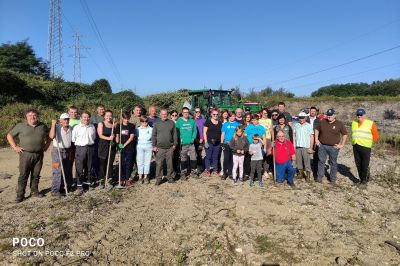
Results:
221 99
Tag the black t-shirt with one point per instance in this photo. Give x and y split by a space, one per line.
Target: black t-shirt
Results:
126 132
213 132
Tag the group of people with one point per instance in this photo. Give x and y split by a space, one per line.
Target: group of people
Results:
236 144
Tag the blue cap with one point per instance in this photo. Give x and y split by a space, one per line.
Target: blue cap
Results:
360 111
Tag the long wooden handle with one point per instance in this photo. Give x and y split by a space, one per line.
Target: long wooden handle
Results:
62 166
109 155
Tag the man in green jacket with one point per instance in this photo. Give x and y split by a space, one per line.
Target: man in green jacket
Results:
187 129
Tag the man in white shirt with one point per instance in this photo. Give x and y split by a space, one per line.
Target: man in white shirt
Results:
61 134
84 136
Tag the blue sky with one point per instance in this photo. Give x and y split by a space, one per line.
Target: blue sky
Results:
167 45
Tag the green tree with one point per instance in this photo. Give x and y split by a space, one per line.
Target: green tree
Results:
20 57
102 86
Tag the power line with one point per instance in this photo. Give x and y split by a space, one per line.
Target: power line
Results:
96 31
77 56
329 48
88 52
349 75
332 67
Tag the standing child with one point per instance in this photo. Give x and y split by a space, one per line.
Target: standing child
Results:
239 146
255 150
126 146
144 150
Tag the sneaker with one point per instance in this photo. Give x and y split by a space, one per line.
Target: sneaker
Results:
129 183
260 184
241 181
234 182
195 174
158 181
266 175
146 181
251 183
207 173
215 174
293 186
224 177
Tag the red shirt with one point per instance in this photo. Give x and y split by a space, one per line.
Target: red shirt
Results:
281 153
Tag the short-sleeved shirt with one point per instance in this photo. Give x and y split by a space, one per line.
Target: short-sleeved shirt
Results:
64 138
288 116
267 124
284 151
303 134
74 121
229 130
251 130
31 139
127 130
213 131
96 119
330 133
257 152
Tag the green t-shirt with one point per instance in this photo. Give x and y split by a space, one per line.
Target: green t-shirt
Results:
73 122
31 139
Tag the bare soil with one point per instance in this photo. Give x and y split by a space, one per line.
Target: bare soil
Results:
208 221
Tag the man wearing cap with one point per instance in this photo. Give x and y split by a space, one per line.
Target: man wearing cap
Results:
33 141
61 134
304 142
330 137
364 134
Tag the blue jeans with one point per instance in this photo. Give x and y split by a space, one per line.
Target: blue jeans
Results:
143 158
212 154
126 163
323 152
282 169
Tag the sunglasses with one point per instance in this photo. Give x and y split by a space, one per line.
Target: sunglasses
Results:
174 115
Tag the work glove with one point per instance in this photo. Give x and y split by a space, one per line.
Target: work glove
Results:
120 147
206 146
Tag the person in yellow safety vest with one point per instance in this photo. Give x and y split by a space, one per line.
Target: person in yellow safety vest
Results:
364 134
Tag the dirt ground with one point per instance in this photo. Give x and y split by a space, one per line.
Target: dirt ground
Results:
207 221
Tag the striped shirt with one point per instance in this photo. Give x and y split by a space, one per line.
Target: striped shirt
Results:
303 133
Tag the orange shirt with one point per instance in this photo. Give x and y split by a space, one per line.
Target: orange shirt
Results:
374 131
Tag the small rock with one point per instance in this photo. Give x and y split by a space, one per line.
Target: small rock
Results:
239 250
4 175
341 261
300 200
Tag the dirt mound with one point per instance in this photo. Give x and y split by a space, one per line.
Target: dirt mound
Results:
207 222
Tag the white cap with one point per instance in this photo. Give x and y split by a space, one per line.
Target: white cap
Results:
302 114
64 116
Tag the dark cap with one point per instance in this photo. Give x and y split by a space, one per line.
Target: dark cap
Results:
360 111
330 112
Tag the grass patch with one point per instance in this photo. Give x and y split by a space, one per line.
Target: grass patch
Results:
365 210
116 196
181 257
263 244
389 177
360 220
310 203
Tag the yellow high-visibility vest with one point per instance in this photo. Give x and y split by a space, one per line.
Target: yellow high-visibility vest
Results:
362 135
